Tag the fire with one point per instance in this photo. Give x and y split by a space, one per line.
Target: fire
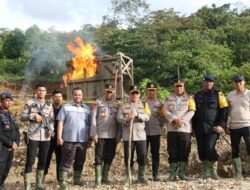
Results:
83 64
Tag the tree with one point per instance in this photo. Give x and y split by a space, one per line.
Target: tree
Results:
14 44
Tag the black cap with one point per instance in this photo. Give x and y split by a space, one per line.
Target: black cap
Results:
209 78
179 82
134 88
151 85
6 95
109 87
239 78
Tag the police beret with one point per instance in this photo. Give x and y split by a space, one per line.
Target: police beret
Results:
239 78
209 78
6 95
134 88
109 87
151 85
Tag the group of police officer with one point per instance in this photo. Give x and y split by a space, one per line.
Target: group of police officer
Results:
138 122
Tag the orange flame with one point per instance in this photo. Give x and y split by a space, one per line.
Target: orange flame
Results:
83 65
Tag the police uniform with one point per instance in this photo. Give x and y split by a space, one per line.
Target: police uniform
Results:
9 133
179 138
211 111
39 135
138 137
153 130
105 126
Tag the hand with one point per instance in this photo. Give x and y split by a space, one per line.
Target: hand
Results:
59 141
193 134
95 139
178 122
14 146
227 131
164 130
38 118
218 129
129 117
134 113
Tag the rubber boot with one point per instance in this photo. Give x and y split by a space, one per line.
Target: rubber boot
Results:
27 181
206 169
237 168
39 178
63 180
183 170
173 171
128 180
77 177
105 174
142 174
213 169
155 169
98 175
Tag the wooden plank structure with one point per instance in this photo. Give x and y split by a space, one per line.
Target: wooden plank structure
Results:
116 70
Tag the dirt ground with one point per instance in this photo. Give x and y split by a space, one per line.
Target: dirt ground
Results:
15 178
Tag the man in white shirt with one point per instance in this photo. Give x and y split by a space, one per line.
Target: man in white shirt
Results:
239 120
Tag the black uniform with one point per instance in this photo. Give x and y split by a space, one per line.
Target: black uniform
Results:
53 147
211 111
9 133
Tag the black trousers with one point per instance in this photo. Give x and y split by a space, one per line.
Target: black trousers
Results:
6 158
206 146
141 151
179 146
58 152
235 135
43 147
154 143
73 152
105 151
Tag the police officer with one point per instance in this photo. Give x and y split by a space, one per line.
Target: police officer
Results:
208 122
57 99
9 136
133 115
74 121
104 128
153 127
39 113
179 110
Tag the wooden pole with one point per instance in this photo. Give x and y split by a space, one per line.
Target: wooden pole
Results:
129 150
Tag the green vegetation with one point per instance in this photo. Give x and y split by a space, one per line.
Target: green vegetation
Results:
214 40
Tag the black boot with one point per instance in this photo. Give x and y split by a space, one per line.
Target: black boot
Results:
155 169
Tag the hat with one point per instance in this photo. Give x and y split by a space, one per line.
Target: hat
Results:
109 87
179 82
6 95
151 85
209 78
134 88
239 78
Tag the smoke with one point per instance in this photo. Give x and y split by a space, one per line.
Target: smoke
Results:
48 53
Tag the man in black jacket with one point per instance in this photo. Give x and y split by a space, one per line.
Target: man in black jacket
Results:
9 136
208 122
